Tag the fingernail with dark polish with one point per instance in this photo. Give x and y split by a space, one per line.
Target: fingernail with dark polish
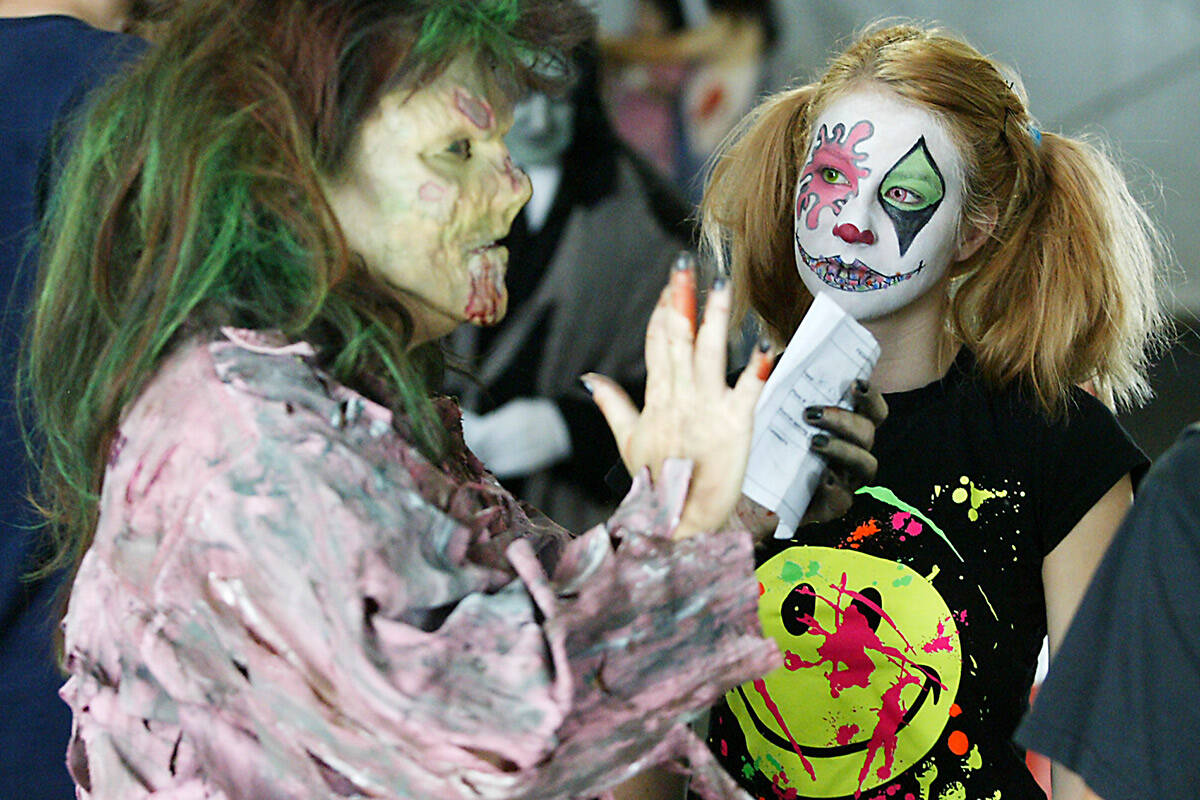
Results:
586 380
814 413
830 481
862 386
766 361
820 441
719 283
683 261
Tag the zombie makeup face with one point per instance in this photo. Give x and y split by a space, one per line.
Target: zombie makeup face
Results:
877 204
428 191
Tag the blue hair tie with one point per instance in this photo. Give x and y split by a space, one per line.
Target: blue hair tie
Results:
1037 136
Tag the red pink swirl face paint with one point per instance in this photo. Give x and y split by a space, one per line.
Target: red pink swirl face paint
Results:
832 173
877 203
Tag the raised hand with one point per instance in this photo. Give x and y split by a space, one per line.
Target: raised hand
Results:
690 411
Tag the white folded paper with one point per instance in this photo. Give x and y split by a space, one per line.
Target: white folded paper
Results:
828 352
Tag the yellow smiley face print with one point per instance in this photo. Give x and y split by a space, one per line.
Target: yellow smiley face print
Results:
872 663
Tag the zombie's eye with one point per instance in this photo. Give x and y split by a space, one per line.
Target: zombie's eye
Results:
903 197
460 148
833 175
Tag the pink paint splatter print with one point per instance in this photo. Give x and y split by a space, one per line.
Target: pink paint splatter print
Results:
903 521
942 642
777 782
833 151
847 649
891 716
761 687
846 734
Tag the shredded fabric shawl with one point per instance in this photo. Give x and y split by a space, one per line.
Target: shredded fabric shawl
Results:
284 599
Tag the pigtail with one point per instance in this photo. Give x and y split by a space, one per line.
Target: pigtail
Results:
1065 291
746 217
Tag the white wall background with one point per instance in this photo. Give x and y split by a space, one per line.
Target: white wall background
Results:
1127 71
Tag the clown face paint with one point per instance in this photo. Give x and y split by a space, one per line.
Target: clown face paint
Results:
428 190
877 204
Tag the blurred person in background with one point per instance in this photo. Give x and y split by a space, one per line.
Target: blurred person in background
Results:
1118 705
52 52
588 256
723 54
643 97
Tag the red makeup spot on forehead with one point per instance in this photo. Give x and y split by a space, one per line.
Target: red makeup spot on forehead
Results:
477 111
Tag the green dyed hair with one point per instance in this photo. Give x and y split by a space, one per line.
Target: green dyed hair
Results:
192 199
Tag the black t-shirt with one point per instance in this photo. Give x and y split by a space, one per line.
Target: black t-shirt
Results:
1119 706
911 627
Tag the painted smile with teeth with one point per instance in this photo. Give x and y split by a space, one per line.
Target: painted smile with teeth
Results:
853 277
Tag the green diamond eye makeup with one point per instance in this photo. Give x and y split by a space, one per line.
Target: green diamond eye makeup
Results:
911 192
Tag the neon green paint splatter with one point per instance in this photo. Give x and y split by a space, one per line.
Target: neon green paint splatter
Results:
976 495
791 572
925 779
955 791
889 497
974 760
989 602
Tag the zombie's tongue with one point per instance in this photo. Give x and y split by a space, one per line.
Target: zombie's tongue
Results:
487 290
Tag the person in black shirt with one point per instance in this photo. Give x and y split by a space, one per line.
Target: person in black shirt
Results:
1000 268
1118 704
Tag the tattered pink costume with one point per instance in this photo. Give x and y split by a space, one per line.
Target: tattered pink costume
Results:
284 599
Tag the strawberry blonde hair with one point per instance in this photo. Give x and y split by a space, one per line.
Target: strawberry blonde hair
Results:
1064 289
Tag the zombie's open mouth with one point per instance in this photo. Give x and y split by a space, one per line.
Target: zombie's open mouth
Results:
853 277
483 248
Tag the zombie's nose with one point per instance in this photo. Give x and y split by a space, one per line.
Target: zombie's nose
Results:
852 235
